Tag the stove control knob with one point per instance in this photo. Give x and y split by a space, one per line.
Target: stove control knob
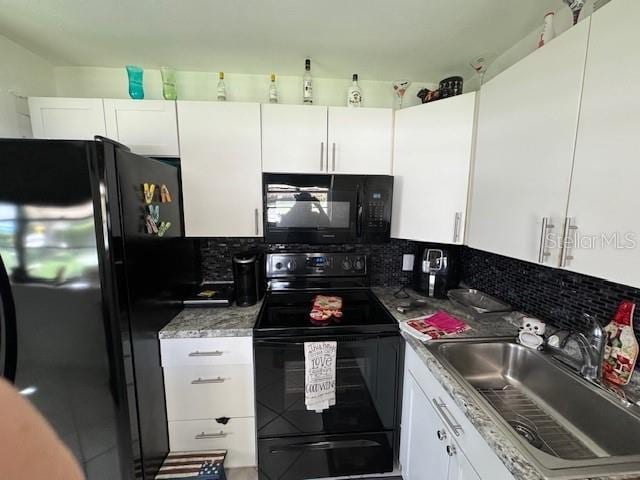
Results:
291 265
359 264
278 266
346 264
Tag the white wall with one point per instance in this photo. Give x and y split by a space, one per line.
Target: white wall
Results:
112 83
22 73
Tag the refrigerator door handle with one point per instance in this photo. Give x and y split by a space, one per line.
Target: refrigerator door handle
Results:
8 329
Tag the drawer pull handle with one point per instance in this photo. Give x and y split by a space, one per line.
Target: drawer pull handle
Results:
444 412
216 353
202 381
204 436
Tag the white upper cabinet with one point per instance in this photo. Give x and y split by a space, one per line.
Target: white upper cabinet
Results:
221 168
526 135
605 199
67 118
359 140
147 127
294 138
432 156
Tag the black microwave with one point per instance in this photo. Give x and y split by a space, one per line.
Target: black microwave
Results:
324 208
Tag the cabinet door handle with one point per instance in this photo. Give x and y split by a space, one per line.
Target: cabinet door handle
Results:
255 217
321 156
543 252
451 450
333 156
456 428
202 381
204 436
565 256
215 353
456 227
442 435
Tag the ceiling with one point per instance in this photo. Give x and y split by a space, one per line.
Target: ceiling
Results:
379 39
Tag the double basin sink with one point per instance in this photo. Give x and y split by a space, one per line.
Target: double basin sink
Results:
566 426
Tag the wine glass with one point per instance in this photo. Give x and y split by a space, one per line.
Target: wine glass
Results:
480 65
400 87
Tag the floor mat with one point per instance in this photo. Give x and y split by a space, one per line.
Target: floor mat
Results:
187 464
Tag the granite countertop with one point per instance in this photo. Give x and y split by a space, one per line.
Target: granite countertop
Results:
196 322
519 466
239 321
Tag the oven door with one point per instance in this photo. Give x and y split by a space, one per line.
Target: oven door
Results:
316 209
368 379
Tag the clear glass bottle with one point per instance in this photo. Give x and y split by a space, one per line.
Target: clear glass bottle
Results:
273 90
354 97
222 89
307 86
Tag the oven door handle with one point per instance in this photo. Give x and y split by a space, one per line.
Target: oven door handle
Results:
331 445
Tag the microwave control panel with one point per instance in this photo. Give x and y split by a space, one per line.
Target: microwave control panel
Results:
377 208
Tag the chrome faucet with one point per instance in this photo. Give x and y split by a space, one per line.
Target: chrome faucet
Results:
591 349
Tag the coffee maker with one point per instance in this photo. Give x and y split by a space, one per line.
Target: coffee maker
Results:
436 270
248 278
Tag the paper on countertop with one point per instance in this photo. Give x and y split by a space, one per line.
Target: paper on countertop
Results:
434 326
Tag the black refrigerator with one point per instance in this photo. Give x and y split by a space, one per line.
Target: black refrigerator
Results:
92 263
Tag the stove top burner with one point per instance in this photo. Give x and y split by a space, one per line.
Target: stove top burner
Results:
294 281
288 313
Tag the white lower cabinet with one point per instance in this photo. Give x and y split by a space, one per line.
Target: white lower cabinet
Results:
237 436
209 393
437 440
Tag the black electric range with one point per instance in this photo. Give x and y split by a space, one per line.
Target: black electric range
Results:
359 434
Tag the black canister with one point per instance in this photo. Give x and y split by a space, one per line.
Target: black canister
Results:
450 87
247 278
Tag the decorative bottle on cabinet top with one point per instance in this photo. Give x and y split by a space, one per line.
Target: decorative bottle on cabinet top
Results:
307 87
222 89
548 33
354 97
621 351
273 90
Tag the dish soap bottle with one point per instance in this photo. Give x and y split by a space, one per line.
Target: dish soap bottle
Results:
273 90
222 89
354 97
621 351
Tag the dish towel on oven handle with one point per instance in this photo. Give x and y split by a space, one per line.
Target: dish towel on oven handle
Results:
320 375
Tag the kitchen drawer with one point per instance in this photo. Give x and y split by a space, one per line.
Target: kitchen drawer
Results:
238 437
481 456
209 392
184 352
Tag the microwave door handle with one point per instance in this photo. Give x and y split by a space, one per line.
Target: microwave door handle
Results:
359 212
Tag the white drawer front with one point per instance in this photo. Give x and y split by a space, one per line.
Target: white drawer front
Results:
238 437
183 352
209 392
483 458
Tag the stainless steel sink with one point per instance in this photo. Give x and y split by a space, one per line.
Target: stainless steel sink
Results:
565 425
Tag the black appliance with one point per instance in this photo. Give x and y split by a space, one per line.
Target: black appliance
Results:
359 434
322 209
248 278
436 271
86 283
450 87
